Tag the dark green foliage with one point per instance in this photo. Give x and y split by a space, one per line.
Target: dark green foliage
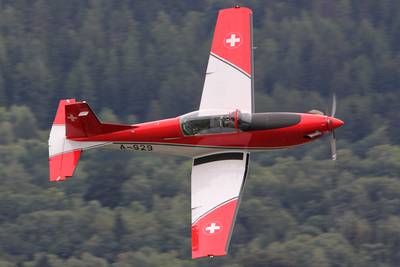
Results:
138 60
43 262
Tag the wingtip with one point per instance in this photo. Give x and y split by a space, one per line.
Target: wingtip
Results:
237 8
211 256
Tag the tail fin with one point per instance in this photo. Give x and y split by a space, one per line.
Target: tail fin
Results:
81 122
73 120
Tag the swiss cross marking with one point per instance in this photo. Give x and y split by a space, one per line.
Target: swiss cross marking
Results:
213 228
233 40
71 117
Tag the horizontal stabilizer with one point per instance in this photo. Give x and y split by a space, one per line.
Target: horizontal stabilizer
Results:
63 165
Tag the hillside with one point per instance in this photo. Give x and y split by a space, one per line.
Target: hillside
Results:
141 60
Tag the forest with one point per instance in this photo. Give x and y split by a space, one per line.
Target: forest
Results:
134 61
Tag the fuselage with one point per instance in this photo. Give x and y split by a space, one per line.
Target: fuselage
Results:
265 131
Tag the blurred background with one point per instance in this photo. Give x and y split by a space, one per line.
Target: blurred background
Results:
141 60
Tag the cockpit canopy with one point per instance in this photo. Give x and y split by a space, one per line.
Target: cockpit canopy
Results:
212 122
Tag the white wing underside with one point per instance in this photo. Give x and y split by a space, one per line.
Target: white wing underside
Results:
215 183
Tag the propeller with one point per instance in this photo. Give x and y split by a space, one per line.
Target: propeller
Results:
333 135
333 112
332 122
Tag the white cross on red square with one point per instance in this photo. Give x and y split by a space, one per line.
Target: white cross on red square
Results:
213 228
232 40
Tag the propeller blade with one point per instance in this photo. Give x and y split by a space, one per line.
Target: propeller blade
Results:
333 112
333 145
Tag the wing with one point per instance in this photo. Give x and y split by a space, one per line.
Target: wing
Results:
229 77
217 185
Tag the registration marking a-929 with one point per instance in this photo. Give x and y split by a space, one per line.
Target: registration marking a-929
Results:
136 147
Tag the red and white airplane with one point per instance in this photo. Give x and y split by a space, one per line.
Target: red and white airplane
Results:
218 137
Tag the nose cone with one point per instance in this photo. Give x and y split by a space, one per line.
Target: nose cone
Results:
336 123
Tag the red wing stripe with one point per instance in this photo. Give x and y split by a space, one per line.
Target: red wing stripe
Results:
211 233
232 37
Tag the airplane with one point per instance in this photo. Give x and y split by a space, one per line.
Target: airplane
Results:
218 137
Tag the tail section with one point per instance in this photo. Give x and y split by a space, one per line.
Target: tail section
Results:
73 120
